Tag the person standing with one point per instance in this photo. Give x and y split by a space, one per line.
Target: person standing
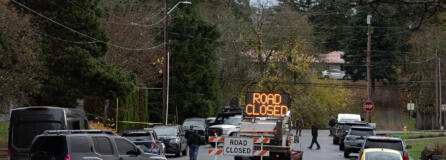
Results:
332 123
299 126
314 130
193 141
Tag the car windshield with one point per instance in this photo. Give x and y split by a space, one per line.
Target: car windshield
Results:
233 121
396 145
197 123
361 132
166 131
382 156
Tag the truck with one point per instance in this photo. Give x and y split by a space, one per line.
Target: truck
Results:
227 123
267 115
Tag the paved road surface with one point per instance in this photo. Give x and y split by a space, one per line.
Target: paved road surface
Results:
328 151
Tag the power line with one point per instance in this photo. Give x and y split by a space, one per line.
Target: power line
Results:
82 34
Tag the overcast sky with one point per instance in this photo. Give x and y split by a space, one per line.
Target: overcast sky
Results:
268 2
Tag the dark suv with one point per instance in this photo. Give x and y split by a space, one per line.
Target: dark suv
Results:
355 139
342 131
146 140
173 136
387 142
199 126
85 144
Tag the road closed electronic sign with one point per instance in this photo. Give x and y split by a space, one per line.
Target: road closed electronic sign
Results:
260 104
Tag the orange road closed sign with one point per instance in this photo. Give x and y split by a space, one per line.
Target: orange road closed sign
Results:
259 104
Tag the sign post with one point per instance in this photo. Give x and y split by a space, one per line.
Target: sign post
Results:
410 108
368 106
236 146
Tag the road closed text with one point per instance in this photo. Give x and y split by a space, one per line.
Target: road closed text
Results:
266 104
238 146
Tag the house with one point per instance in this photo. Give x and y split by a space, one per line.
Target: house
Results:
333 60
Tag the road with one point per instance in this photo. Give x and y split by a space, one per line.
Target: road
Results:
328 150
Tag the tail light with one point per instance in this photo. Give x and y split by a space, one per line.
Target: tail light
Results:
9 152
153 145
277 156
405 156
67 157
28 158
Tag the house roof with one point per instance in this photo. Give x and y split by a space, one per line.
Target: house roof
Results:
334 57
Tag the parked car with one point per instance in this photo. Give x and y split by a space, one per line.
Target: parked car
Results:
387 142
380 154
146 140
355 139
342 131
85 144
28 122
229 127
338 130
199 126
335 74
210 120
173 136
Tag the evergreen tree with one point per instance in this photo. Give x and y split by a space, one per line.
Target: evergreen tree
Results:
72 69
193 83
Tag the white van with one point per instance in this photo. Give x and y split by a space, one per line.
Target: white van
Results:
349 117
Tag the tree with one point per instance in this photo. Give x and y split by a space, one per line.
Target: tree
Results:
20 63
71 51
194 83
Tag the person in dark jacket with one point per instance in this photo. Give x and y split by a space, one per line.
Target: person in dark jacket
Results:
314 134
193 141
332 123
299 125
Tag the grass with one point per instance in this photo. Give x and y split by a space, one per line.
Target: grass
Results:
4 134
414 135
408 121
418 145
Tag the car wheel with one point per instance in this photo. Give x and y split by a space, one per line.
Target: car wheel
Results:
238 158
346 153
341 146
212 144
179 153
335 141
185 151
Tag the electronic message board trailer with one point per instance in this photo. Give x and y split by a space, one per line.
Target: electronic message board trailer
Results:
267 115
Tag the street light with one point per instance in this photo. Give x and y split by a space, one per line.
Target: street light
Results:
166 64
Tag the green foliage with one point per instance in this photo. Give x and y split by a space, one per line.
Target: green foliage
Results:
71 69
194 85
20 63
128 110
311 102
4 133
424 46
419 145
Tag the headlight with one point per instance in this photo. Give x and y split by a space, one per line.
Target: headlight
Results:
175 140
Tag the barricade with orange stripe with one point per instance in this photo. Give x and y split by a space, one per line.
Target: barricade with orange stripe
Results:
216 152
217 139
260 153
261 140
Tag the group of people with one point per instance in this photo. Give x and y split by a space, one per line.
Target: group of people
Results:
314 130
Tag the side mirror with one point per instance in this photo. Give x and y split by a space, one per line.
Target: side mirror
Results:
408 147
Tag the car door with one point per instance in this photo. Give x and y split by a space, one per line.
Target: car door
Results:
103 148
182 135
126 149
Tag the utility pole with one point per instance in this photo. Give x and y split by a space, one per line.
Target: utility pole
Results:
369 77
437 91
165 82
